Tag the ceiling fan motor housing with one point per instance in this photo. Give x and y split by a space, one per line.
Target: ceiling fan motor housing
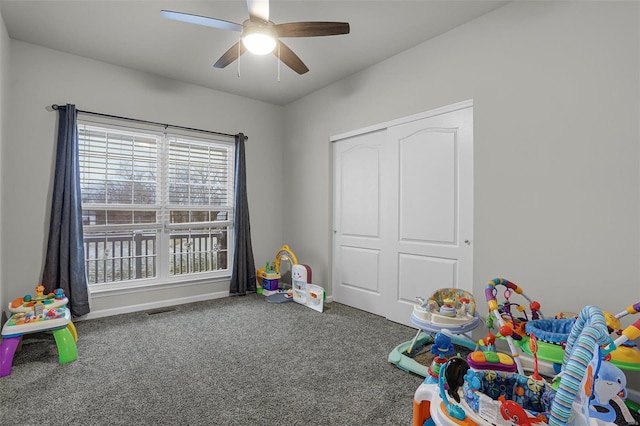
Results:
259 37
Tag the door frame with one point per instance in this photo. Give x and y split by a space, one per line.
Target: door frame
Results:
419 116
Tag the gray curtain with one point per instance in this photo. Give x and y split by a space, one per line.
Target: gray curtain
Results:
243 274
64 264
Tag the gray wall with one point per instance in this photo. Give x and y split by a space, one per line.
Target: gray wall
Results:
555 90
4 88
41 77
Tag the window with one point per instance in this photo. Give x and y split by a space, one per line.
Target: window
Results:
156 206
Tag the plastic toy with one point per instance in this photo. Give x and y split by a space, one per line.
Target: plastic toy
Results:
511 327
489 397
552 333
448 308
34 314
488 342
533 345
304 292
300 277
513 412
401 357
446 315
485 356
271 271
609 386
268 278
491 360
442 348
451 379
545 338
627 355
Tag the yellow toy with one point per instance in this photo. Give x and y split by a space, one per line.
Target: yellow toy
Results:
271 274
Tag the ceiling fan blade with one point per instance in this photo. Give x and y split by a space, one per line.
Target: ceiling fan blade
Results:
230 55
312 29
289 58
201 20
258 10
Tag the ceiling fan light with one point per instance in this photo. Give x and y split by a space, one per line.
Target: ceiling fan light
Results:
259 43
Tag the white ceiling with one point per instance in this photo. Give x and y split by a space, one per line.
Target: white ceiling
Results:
134 35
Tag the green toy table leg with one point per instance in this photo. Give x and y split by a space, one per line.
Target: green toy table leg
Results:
67 349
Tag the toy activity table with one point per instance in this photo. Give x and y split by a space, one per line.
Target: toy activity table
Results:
32 315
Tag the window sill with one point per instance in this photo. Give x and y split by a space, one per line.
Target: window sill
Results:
107 290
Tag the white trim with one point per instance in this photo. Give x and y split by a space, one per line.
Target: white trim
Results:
633 394
144 285
152 305
130 127
136 207
209 148
198 225
403 120
122 227
159 304
197 137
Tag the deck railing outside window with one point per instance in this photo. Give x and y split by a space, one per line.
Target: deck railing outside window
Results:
121 256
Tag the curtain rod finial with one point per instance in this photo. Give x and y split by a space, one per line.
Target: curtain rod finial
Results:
53 107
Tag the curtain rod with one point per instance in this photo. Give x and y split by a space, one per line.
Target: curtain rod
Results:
99 114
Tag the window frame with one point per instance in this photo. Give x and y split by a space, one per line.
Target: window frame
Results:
163 227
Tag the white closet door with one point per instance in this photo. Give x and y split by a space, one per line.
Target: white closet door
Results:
360 189
433 192
403 212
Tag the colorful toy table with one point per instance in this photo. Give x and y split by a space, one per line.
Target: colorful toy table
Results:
51 314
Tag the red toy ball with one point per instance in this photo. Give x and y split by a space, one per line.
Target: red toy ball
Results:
506 331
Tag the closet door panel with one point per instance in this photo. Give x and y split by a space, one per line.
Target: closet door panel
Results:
359 236
434 214
360 191
412 270
427 186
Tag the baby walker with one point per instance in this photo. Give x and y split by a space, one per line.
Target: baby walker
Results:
442 321
468 396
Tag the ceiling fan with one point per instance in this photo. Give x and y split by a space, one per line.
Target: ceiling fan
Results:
261 36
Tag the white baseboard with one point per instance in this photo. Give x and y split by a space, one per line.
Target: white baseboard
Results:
633 395
159 304
152 305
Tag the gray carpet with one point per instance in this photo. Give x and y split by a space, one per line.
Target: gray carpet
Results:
232 361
